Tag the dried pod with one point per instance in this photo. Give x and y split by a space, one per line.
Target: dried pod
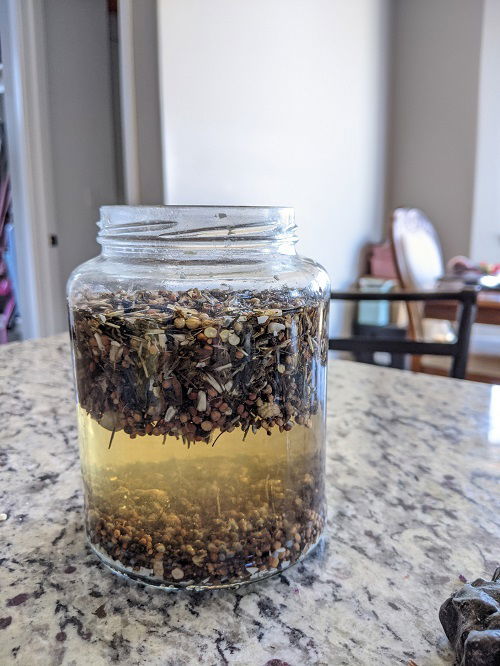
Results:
471 621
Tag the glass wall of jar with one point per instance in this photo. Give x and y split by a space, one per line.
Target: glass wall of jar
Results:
199 342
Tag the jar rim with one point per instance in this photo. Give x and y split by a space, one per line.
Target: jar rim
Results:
160 224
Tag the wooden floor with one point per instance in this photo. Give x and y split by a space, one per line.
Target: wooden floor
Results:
479 368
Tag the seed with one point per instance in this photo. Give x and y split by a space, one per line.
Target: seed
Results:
215 415
202 401
160 548
224 334
275 327
179 322
198 560
281 368
238 327
233 339
193 322
206 426
210 332
177 573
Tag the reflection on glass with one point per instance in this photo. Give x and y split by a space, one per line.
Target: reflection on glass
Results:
494 416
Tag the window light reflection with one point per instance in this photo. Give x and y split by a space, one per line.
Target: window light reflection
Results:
494 416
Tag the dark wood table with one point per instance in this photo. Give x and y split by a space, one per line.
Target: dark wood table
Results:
488 308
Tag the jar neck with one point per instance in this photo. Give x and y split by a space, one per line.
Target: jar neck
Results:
195 233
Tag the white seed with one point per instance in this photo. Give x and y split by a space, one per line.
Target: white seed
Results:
158 568
224 334
99 341
223 367
202 401
238 327
3 516
281 368
213 382
210 332
177 573
234 339
275 327
169 413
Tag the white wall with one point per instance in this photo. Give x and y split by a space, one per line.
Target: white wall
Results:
79 85
280 102
485 233
436 56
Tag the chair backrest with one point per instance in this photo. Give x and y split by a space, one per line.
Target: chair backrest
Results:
418 258
458 350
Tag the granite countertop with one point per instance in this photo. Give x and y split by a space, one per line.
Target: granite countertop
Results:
414 504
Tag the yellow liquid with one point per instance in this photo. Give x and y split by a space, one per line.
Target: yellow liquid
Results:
203 516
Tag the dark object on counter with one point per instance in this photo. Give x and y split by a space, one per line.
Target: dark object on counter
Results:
471 621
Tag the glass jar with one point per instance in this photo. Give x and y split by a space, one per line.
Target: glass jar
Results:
200 348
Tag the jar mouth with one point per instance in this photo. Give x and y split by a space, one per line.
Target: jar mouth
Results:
207 225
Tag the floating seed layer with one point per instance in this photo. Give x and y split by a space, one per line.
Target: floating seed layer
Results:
197 364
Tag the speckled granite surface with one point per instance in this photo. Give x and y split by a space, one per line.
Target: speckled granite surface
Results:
414 496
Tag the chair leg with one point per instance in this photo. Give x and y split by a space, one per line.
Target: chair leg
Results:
416 363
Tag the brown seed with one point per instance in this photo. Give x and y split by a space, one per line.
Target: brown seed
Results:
207 426
179 322
193 322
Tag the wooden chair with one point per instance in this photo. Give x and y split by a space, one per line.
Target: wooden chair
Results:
419 265
458 349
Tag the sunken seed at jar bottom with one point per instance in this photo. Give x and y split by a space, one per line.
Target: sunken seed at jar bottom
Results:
204 516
